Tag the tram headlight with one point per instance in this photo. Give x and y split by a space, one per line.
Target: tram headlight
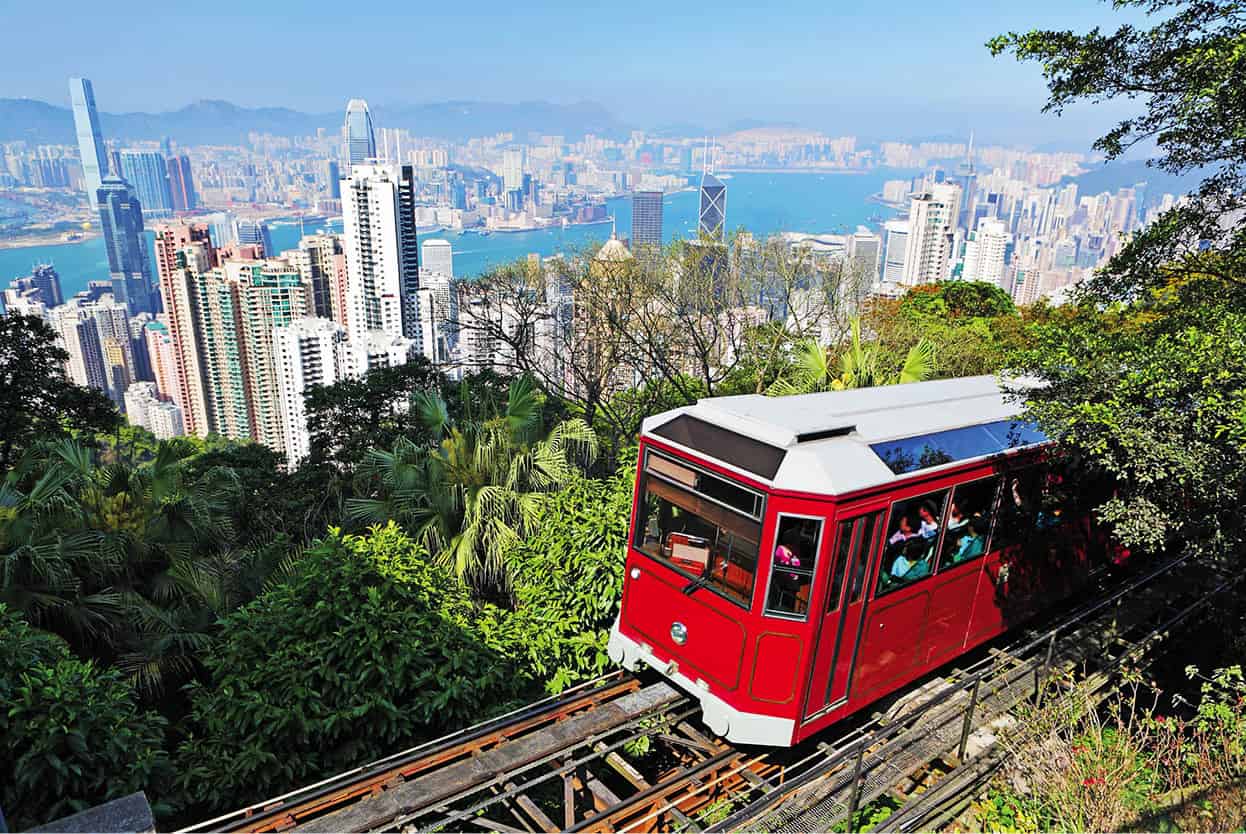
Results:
635 573
679 633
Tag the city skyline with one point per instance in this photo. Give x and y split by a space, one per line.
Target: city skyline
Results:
822 74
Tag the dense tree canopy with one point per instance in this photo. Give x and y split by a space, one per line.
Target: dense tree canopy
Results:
1146 371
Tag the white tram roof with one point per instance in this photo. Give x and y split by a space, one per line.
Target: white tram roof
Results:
843 441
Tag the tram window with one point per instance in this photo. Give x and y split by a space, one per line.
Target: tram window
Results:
698 537
861 561
796 545
1018 507
843 545
967 528
911 539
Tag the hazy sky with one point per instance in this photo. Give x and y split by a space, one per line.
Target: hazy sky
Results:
897 68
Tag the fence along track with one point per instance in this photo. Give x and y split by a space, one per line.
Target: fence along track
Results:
1099 636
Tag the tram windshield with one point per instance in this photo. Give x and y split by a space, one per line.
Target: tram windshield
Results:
703 526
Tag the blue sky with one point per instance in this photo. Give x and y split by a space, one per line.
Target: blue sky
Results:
897 68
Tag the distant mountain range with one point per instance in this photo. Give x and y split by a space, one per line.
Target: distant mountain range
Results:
212 122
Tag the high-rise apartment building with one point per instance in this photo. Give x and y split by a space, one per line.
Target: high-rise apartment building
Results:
90 141
182 183
183 250
437 255
382 250
712 217
316 260
143 407
985 251
357 134
79 337
121 219
932 222
646 219
309 352
148 173
96 335
270 296
160 355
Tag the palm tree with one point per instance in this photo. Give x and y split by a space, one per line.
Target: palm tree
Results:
858 367
479 490
106 555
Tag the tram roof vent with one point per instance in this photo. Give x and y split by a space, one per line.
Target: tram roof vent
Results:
823 434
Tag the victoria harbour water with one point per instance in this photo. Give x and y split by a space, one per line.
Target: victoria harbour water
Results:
762 203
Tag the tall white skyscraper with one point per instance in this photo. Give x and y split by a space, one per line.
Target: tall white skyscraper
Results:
932 221
864 252
512 169
311 351
895 249
437 255
985 251
357 134
90 141
382 255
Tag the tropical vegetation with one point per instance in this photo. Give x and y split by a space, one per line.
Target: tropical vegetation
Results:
197 620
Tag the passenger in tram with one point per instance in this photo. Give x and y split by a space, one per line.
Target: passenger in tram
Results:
787 553
955 518
971 543
929 514
905 530
918 553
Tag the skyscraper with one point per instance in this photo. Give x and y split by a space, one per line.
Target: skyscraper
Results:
864 251
45 278
121 219
148 173
382 255
712 217
254 233
331 173
181 183
896 247
646 219
360 142
512 169
90 142
436 255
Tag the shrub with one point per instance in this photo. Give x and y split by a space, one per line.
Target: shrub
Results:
569 577
368 647
71 734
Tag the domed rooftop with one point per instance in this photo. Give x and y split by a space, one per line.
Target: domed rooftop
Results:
613 251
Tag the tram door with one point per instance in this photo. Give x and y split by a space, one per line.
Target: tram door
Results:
843 611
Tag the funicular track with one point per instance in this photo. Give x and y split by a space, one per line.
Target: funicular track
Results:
949 720
577 761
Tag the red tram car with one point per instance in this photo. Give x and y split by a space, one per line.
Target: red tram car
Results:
794 559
